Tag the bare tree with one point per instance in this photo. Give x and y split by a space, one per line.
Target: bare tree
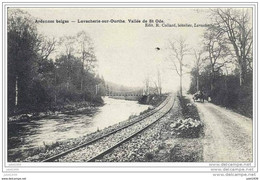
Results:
69 44
179 50
238 29
86 51
147 86
159 81
156 86
47 46
198 62
217 52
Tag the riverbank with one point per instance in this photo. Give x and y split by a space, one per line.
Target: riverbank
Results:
45 150
70 108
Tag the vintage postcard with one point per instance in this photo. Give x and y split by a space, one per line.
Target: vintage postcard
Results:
159 87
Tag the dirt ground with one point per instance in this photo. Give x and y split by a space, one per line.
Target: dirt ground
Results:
228 135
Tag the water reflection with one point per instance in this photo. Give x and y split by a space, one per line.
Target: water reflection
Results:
23 135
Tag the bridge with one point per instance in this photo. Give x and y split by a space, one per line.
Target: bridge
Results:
130 95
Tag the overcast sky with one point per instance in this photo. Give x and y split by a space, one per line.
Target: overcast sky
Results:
126 52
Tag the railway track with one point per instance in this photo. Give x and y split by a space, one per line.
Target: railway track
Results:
98 147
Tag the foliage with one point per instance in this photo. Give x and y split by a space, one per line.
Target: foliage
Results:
227 73
227 91
38 83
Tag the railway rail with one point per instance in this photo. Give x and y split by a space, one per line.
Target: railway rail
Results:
98 147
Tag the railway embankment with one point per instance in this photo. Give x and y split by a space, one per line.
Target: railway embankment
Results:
177 137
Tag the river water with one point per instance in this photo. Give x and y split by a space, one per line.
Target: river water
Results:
35 133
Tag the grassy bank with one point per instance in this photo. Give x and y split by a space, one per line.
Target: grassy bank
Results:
188 130
68 108
179 136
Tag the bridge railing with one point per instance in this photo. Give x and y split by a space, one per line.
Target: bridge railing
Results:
123 94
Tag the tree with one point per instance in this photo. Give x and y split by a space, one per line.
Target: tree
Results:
23 46
68 43
38 83
147 85
158 82
198 62
180 50
47 46
217 52
237 27
86 50
227 71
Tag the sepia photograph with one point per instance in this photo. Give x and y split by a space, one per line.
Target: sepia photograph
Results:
164 85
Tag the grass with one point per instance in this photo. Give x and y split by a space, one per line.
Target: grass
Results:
188 109
188 148
21 155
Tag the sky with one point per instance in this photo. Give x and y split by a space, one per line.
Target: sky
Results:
126 52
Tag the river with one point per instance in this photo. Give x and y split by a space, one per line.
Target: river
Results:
35 133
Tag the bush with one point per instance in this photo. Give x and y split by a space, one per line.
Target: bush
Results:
227 92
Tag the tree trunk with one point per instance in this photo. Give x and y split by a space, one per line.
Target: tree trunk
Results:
212 78
211 84
181 79
16 91
82 72
242 75
181 86
55 85
198 83
68 73
82 79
